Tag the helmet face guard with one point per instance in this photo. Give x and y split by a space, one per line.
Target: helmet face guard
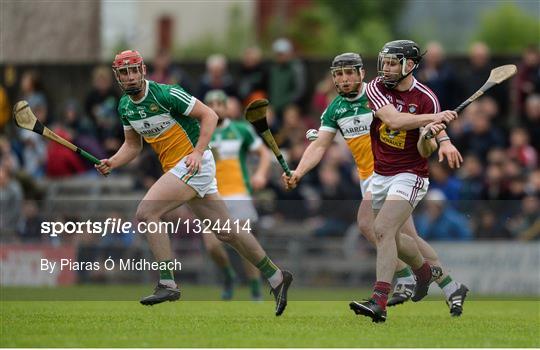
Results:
394 53
125 65
347 64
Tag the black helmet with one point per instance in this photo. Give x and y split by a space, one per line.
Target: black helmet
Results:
348 59
401 50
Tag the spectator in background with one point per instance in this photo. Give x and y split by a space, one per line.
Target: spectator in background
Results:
471 175
488 225
441 179
33 145
11 195
293 129
100 105
32 87
526 224
439 76
29 224
533 183
164 72
527 80
62 162
287 80
477 73
216 77
482 135
335 211
325 92
532 118
495 186
521 150
440 222
253 80
82 130
8 158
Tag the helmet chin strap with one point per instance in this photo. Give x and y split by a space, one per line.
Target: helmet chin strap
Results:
393 84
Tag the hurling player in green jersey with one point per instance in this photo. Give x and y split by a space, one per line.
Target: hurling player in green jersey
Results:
231 144
179 129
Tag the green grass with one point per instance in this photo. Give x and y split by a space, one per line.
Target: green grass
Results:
191 323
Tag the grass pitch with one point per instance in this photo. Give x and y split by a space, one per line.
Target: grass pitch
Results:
26 322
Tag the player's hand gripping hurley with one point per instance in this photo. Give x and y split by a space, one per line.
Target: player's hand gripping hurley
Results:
26 119
497 76
256 115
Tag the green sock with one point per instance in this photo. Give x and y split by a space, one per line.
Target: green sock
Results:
229 273
267 267
255 286
445 282
166 274
406 272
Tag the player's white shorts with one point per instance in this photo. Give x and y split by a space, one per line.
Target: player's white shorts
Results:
204 181
241 207
409 186
365 185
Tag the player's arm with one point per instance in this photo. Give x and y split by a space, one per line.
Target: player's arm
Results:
208 120
448 150
396 120
311 157
427 147
130 149
260 177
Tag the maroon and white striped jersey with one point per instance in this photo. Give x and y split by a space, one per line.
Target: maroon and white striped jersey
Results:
395 151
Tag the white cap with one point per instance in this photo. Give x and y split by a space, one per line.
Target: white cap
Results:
282 45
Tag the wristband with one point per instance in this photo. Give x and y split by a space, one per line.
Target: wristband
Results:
442 139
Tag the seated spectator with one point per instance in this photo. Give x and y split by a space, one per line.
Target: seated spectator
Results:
335 212
532 119
216 77
29 225
481 137
440 222
521 150
472 180
526 224
489 225
443 180
62 162
533 183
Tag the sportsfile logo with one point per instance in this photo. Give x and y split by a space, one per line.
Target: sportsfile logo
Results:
120 226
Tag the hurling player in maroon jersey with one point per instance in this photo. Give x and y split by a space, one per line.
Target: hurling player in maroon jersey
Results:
401 107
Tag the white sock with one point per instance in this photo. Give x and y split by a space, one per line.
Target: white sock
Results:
450 288
276 279
405 280
168 283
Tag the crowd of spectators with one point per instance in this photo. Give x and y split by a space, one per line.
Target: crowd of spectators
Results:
494 195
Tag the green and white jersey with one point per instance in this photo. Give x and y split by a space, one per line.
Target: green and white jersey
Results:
231 143
162 118
352 117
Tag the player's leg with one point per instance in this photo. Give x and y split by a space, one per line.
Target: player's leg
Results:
213 207
219 255
405 282
166 194
454 291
